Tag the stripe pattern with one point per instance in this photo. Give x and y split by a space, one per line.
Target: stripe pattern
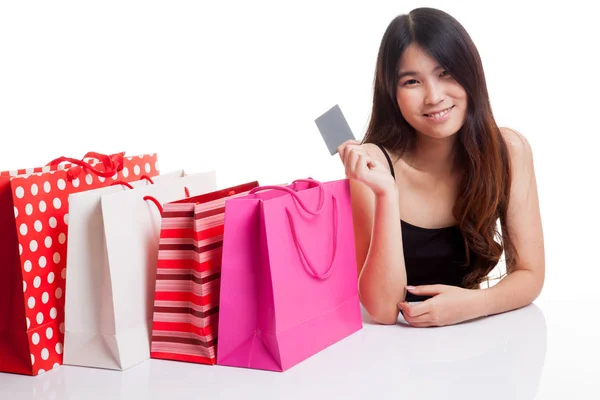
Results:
186 303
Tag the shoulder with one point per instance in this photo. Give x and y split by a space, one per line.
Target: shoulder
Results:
519 148
373 150
521 167
376 153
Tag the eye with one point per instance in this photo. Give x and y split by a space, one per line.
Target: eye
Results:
410 82
445 74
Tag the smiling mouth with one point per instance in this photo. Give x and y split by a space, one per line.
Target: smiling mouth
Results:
440 113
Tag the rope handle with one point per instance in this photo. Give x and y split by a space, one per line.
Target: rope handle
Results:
295 194
156 203
146 198
304 259
306 262
111 164
123 183
128 185
146 177
103 158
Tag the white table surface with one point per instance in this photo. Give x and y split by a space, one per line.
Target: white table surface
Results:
541 351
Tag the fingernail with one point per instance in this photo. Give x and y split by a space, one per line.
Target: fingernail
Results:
410 288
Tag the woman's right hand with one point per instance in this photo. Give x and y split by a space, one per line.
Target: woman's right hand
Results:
361 166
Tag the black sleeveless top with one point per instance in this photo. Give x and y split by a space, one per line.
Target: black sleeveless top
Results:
431 256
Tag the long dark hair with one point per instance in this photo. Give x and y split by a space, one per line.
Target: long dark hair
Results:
481 151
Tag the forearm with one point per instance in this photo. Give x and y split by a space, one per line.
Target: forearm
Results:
382 281
516 290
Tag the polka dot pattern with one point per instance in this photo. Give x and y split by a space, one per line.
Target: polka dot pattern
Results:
41 206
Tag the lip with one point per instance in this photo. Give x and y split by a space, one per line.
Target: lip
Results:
443 118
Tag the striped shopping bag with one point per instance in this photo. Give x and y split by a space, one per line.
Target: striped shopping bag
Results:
186 300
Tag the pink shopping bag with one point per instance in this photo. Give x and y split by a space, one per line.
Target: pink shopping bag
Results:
288 280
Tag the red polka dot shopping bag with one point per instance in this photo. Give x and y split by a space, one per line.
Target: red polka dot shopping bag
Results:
34 216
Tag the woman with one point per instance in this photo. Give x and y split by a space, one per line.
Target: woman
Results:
432 180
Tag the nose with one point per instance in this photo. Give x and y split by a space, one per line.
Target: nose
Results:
434 94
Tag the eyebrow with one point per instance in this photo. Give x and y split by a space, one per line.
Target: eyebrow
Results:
402 74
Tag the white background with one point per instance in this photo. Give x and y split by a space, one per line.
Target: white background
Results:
236 85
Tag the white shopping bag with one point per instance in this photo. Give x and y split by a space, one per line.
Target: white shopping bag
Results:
111 268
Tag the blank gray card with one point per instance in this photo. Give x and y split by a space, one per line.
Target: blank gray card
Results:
334 128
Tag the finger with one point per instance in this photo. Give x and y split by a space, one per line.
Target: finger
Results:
426 290
343 147
351 162
357 162
415 310
347 144
346 150
352 142
420 320
372 164
342 150
362 165
421 325
403 306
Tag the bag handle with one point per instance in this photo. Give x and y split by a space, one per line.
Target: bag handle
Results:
103 158
112 164
306 263
156 203
148 198
146 177
295 195
129 186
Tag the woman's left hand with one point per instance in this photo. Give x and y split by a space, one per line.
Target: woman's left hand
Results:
449 305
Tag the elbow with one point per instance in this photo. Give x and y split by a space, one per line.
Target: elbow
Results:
531 285
381 312
537 285
385 319
381 315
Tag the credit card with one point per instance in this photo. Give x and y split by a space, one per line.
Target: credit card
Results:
334 128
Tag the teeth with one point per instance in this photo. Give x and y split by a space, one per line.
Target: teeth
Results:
440 114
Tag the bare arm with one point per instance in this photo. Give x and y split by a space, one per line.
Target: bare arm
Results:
377 231
382 281
451 304
524 285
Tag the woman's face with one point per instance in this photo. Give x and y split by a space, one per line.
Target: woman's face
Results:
429 98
